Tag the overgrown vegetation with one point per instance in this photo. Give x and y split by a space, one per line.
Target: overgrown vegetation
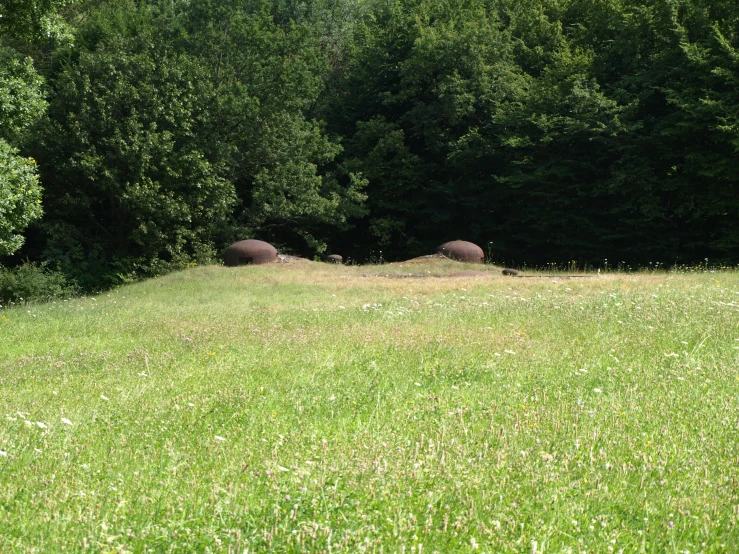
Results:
557 129
30 282
314 408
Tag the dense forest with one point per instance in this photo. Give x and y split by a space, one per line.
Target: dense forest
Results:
139 136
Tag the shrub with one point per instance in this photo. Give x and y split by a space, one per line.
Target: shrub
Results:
31 282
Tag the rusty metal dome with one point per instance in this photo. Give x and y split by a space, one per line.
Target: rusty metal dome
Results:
250 251
462 251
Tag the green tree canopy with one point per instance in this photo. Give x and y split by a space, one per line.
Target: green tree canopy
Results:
22 103
556 129
175 129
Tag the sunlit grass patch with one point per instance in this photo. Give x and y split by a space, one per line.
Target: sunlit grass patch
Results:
316 408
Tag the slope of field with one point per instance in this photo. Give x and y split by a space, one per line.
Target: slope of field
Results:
343 409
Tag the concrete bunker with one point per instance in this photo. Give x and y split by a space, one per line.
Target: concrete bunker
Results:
250 251
462 251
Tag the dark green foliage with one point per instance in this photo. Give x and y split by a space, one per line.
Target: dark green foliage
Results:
475 120
268 70
31 282
173 132
21 98
129 173
673 66
21 105
556 129
32 20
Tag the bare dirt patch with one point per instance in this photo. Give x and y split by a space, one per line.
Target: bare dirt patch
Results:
288 259
471 273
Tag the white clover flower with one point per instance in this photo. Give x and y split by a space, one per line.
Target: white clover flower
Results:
66 421
41 425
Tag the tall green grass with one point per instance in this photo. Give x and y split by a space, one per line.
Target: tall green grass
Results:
321 408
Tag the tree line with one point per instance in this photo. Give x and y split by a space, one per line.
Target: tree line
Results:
138 136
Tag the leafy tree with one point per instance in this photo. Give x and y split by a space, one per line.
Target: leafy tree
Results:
21 104
20 197
22 101
130 175
474 120
33 20
177 128
559 129
672 64
269 69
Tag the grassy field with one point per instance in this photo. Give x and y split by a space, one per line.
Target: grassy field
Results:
291 408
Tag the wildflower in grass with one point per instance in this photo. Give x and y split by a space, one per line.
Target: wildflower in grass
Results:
41 425
66 421
219 438
597 390
104 397
3 453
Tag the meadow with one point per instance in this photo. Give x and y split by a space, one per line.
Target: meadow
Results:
317 408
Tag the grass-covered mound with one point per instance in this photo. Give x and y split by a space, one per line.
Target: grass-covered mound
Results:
328 408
